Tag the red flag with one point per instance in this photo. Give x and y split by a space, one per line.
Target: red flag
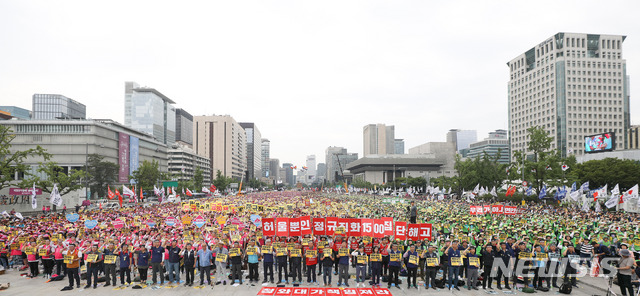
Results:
212 188
110 193
189 192
141 196
119 197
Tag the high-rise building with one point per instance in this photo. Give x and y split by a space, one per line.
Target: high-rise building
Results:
398 146
633 138
184 127
265 148
223 141
50 106
442 151
311 169
274 170
16 112
379 139
183 162
462 138
336 159
254 150
496 142
286 167
321 173
149 111
572 85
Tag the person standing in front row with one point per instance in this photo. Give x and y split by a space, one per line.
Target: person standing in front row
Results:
221 266
394 265
343 266
157 254
189 256
73 265
454 268
327 264
624 272
204 260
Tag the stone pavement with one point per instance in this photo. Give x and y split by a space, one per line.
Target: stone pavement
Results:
38 286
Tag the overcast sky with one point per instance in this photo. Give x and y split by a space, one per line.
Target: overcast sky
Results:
310 74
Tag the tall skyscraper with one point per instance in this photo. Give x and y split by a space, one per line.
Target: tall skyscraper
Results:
149 111
286 167
254 150
398 146
184 127
336 158
223 141
311 169
274 170
265 157
572 85
379 139
321 172
462 138
50 107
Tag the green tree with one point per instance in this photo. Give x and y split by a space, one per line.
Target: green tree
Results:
360 183
198 179
52 174
256 184
101 174
147 175
13 162
610 171
221 181
543 166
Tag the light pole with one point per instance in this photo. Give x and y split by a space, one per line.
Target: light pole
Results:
86 177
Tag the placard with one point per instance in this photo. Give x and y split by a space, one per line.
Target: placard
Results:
68 259
251 250
233 252
394 257
524 255
30 250
281 252
92 258
343 252
327 253
267 249
475 261
413 259
432 262
42 252
456 261
221 258
306 241
362 259
376 257
311 253
110 259
296 253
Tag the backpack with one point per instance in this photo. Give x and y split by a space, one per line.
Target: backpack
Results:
565 288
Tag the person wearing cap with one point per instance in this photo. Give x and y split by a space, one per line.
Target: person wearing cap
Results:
221 267
394 266
453 252
47 260
430 271
472 269
411 255
311 262
361 260
92 267
571 266
295 262
236 263
505 255
488 256
282 259
124 257
625 270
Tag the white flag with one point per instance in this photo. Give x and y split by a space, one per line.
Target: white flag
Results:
493 191
575 195
19 215
5 214
585 206
612 201
477 189
598 208
615 190
205 190
34 201
55 197
633 192
126 191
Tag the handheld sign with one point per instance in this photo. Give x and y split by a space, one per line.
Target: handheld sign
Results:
267 250
376 257
281 252
296 253
221 258
92 258
306 241
72 217
475 261
524 255
432 262
413 259
362 259
42 252
30 250
311 253
326 253
456 261
394 257
68 259
251 250
110 259
234 252
90 224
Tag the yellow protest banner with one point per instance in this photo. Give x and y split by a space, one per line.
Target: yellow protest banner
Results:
296 253
110 259
456 261
394 257
92 258
432 262
251 250
362 259
413 259
343 252
311 253
376 257
474 261
221 258
68 259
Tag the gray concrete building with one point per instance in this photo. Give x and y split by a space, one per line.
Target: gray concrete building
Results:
572 85
380 169
254 150
184 127
274 171
398 146
444 152
264 157
183 162
149 111
221 139
289 177
321 173
462 138
496 143
378 139
52 106
336 157
71 141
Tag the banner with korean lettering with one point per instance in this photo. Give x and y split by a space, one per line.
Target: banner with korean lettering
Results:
282 226
378 228
305 225
319 226
401 231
